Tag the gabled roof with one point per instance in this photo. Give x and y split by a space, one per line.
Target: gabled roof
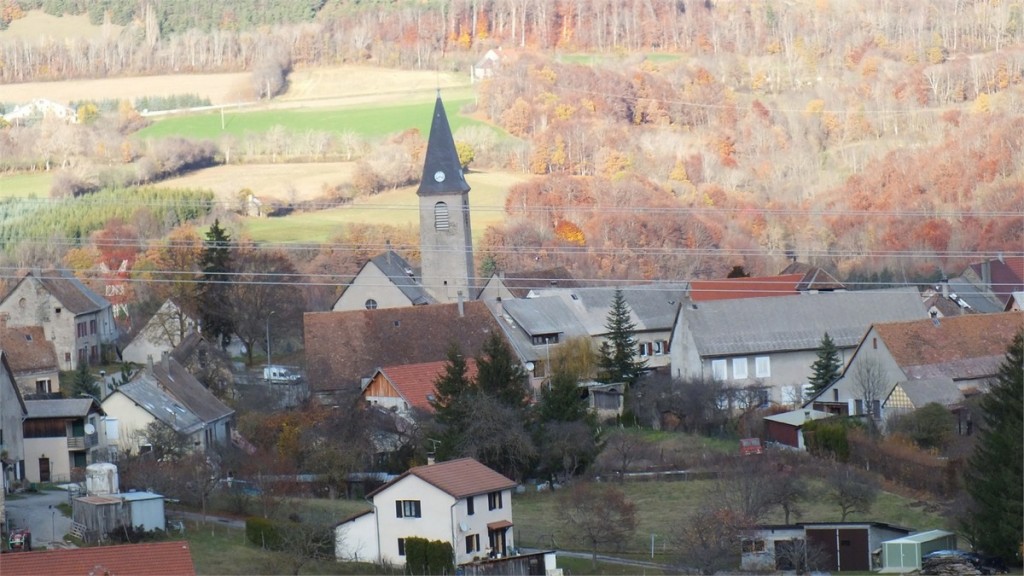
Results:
27 349
1006 276
959 347
441 159
415 382
752 287
798 417
458 478
550 314
402 276
797 322
75 296
520 284
61 408
172 395
815 278
651 306
342 348
972 297
942 391
146 559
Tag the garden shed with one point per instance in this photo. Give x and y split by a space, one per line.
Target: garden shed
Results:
904 554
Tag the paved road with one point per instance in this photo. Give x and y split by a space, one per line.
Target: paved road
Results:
38 512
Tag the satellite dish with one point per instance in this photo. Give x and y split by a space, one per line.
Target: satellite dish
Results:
463 527
90 429
530 366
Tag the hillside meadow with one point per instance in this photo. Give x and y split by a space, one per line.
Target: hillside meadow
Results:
395 207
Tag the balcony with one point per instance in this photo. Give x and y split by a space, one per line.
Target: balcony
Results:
82 442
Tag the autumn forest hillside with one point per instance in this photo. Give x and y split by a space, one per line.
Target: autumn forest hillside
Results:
665 139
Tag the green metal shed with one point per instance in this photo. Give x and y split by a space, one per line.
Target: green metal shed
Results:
904 554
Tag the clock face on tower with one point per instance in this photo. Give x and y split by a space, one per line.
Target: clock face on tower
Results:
439 176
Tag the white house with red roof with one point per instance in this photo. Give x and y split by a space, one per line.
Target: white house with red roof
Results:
409 387
459 501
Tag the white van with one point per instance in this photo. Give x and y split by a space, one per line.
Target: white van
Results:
280 374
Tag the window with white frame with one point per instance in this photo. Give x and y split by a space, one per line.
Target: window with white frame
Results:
762 367
718 368
739 368
658 348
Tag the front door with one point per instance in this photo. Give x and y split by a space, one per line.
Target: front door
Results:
44 469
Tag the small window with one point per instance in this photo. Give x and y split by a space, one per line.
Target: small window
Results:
835 395
739 368
658 348
494 501
401 546
470 506
56 310
407 508
371 304
763 367
472 543
718 368
441 221
92 326
22 302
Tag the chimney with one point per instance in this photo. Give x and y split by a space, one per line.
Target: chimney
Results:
462 307
945 287
165 361
807 415
387 248
149 364
986 274
430 458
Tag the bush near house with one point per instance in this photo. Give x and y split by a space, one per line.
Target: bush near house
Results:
262 532
424 556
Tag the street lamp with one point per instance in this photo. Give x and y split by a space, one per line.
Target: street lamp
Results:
268 337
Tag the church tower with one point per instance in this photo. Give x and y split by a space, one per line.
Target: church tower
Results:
446 239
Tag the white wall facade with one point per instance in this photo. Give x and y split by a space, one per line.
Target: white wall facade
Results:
356 540
164 331
55 449
371 284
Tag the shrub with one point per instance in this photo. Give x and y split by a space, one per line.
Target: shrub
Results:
424 556
262 532
829 437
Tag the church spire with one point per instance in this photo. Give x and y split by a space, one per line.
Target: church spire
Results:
442 172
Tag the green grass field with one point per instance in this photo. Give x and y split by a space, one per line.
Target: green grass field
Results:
396 208
374 121
662 507
26 185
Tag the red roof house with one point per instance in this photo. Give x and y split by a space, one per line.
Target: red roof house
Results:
151 558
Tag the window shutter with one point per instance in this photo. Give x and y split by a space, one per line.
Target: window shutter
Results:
398 508
416 505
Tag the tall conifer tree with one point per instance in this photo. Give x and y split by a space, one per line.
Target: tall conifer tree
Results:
995 472
215 311
827 368
618 360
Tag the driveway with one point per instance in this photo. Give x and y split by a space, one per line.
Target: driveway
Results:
38 512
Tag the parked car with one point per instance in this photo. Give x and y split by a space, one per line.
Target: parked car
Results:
280 374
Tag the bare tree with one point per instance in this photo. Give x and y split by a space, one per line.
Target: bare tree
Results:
800 556
597 515
851 490
621 451
304 539
709 540
870 382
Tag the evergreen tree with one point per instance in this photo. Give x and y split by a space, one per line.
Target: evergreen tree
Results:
213 294
561 400
618 355
84 383
995 473
452 404
499 373
827 368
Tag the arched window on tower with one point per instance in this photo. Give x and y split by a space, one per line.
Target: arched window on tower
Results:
441 216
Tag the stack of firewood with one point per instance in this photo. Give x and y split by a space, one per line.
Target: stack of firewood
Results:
948 566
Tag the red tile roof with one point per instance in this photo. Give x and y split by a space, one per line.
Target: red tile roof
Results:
950 339
416 381
458 478
153 558
754 287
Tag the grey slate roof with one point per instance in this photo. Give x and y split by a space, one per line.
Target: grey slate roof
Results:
732 327
147 394
651 306
400 273
544 315
61 408
173 396
442 157
979 300
942 391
